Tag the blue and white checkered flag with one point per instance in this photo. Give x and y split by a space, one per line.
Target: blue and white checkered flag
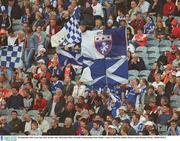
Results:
70 34
10 56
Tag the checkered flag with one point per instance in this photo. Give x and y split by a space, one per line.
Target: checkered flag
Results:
10 56
70 34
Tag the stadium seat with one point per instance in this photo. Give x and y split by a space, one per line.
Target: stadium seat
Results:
21 112
175 101
33 112
153 55
4 112
162 129
166 43
163 49
144 74
141 49
150 37
153 50
177 43
151 62
153 43
132 77
154 18
134 73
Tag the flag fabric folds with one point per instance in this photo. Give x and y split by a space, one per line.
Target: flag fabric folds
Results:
99 44
105 72
70 34
10 56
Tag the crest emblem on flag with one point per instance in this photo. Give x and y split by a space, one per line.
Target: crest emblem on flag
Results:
103 44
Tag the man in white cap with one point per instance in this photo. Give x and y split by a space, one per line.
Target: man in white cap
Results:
42 55
121 113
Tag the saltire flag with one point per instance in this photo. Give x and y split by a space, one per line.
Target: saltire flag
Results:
10 56
106 72
72 57
70 34
101 44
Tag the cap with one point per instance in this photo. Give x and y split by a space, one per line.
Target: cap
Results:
122 108
149 123
110 21
3 9
111 126
41 61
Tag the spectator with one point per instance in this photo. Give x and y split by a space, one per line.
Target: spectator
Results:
126 128
68 129
168 7
5 21
55 129
155 8
121 113
80 111
5 129
35 130
149 26
97 9
173 129
144 6
42 123
40 102
68 87
97 129
139 39
133 11
15 124
26 124
15 100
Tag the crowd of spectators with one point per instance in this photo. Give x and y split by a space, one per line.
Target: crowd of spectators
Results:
46 98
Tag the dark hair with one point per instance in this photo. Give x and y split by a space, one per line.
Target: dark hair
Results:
14 112
79 105
151 87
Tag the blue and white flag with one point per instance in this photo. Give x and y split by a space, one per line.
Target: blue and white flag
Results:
99 44
70 34
106 72
72 57
10 56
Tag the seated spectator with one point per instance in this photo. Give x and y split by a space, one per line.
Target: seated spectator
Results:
121 113
157 81
55 106
136 63
15 124
150 129
160 32
28 100
127 129
177 9
155 8
55 84
39 21
69 111
5 21
98 24
137 124
161 93
68 87
165 116
149 26
26 124
28 17
138 22
15 100
35 130
97 129
173 129
80 111
12 37
55 129
68 129
42 123
176 89
168 7
139 39
150 94
40 102
133 11
5 129
143 6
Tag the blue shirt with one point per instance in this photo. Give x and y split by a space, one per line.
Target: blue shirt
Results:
132 95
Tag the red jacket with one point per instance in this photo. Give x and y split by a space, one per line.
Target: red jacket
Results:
176 32
168 8
40 104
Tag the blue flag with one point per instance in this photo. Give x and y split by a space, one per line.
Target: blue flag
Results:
106 72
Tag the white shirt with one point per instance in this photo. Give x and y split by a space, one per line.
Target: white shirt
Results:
27 126
155 84
44 126
144 7
98 10
11 40
52 109
79 91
